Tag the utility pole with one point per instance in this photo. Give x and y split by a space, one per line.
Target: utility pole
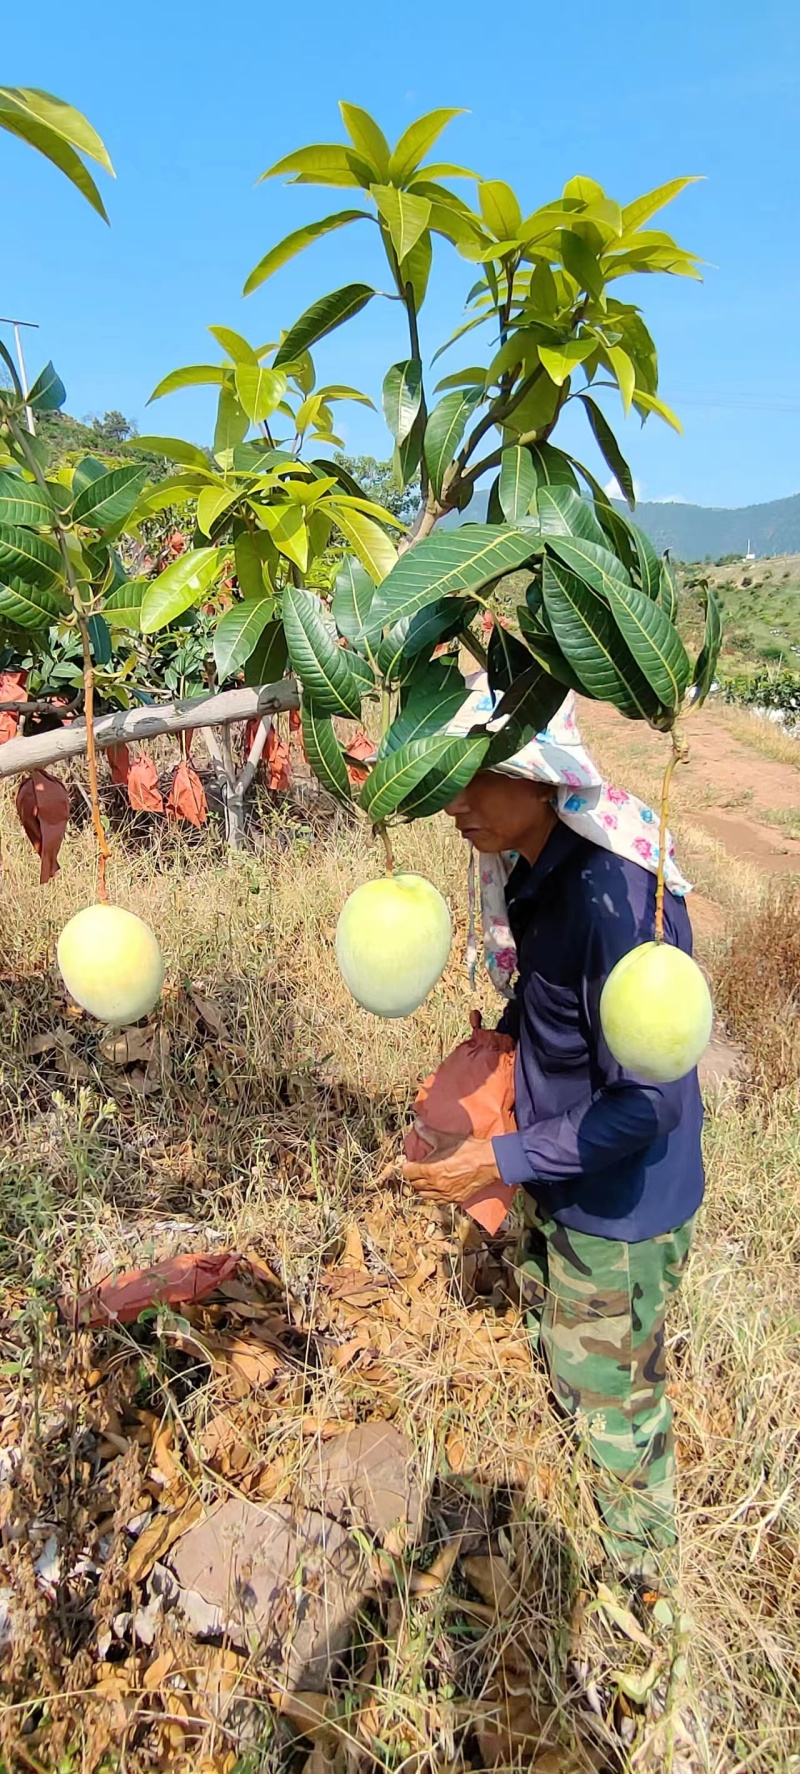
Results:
5 320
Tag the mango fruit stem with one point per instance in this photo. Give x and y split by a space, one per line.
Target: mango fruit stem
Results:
103 851
379 831
680 753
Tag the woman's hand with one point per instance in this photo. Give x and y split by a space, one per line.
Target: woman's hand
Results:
455 1171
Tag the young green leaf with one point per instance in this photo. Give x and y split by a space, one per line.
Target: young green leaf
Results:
183 583
236 348
22 120
295 243
499 208
323 163
322 318
193 375
402 396
374 548
232 423
642 208
123 606
322 666
260 390
188 455
560 360
367 138
323 751
405 214
239 632
416 141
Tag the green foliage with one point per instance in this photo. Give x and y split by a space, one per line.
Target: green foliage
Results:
58 132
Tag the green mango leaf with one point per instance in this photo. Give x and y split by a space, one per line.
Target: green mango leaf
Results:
560 361
415 269
61 118
48 392
518 482
524 710
642 208
649 403
367 138
212 502
413 635
402 397
23 502
324 752
352 596
20 121
108 500
232 423
416 141
499 208
123 606
564 513
236 347
597 566
706 662
99 640
194 375
547 652
432 699
405 214
590 640
444 431
26 556
252 556
323 163
396 775
507 659
260 391
374 548
270 656
647 566
665 593
474 377
579 260
406 457
175 449
183 583
239 632
450 773
27 603
321 318
609 448
655 644
324 669
553 468
289 532
460 560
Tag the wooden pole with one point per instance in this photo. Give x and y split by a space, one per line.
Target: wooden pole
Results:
38 750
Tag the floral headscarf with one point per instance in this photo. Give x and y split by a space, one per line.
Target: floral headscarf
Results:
610 817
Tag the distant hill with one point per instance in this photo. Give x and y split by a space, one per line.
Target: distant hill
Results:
693 532
697 532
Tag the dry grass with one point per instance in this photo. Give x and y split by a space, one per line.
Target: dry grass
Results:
762 736
276 1141
758 989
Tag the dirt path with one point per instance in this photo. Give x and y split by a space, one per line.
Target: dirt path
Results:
722 786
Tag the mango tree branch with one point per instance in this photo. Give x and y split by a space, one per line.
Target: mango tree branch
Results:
128 725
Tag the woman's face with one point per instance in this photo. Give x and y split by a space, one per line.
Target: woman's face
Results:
496 813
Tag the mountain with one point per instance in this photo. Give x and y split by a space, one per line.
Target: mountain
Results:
693 532
697 532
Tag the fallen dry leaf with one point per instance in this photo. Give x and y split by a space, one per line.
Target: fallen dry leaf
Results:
245 1357
157 1671
352 1256
210 1012
490 1575
311 1713
131 1047
157 1538
623 1618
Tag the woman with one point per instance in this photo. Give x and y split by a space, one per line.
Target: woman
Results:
611 1166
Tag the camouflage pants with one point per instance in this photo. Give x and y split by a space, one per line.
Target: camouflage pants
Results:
596 1309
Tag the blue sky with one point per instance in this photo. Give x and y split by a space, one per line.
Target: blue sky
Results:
194 101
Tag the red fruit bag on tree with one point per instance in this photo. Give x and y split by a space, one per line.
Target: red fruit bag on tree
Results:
469 1096
359 747
144 793
12 689
277 761
43 809
187 797
120 761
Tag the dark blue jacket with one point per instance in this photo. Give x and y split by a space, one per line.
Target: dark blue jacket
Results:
599 1149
